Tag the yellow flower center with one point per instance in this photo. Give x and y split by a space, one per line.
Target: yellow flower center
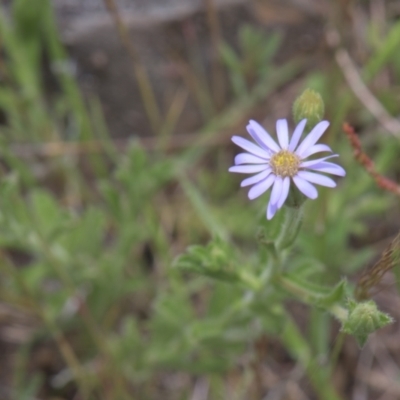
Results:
285 163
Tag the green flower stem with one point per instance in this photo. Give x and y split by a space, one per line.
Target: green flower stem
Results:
251 281
318 331
339 312
300 350
290 228
337 348
298 291
273 253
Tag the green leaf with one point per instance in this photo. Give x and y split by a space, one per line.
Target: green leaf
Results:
290 228
387 50
305 267
47 214
269 230
214 260
336 295
230 58
28 16
202 208
112 198
205 329
312 293
33 276
87 234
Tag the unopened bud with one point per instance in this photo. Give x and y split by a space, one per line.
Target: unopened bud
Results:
309 105
364 319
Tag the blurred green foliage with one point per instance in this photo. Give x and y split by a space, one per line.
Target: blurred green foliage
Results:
98 247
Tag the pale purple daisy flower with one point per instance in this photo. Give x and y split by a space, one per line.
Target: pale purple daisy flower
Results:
276 165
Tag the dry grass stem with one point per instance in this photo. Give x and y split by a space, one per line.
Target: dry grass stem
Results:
363 159
217 71
390 258
359 88
143 80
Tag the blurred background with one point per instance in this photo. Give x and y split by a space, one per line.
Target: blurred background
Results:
115 126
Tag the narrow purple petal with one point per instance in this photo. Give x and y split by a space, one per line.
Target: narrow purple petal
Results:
317 148
305 187
312 137
276 190
248 169
294 141
246 158
262 187
316 178
329 168
285 191
271 210
258 140
250 147
256 178
310 163
262 135
282 132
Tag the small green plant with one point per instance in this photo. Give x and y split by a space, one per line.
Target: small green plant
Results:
265 285
253 64
93 236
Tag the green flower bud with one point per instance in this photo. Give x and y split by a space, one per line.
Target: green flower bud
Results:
309 105
364 318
